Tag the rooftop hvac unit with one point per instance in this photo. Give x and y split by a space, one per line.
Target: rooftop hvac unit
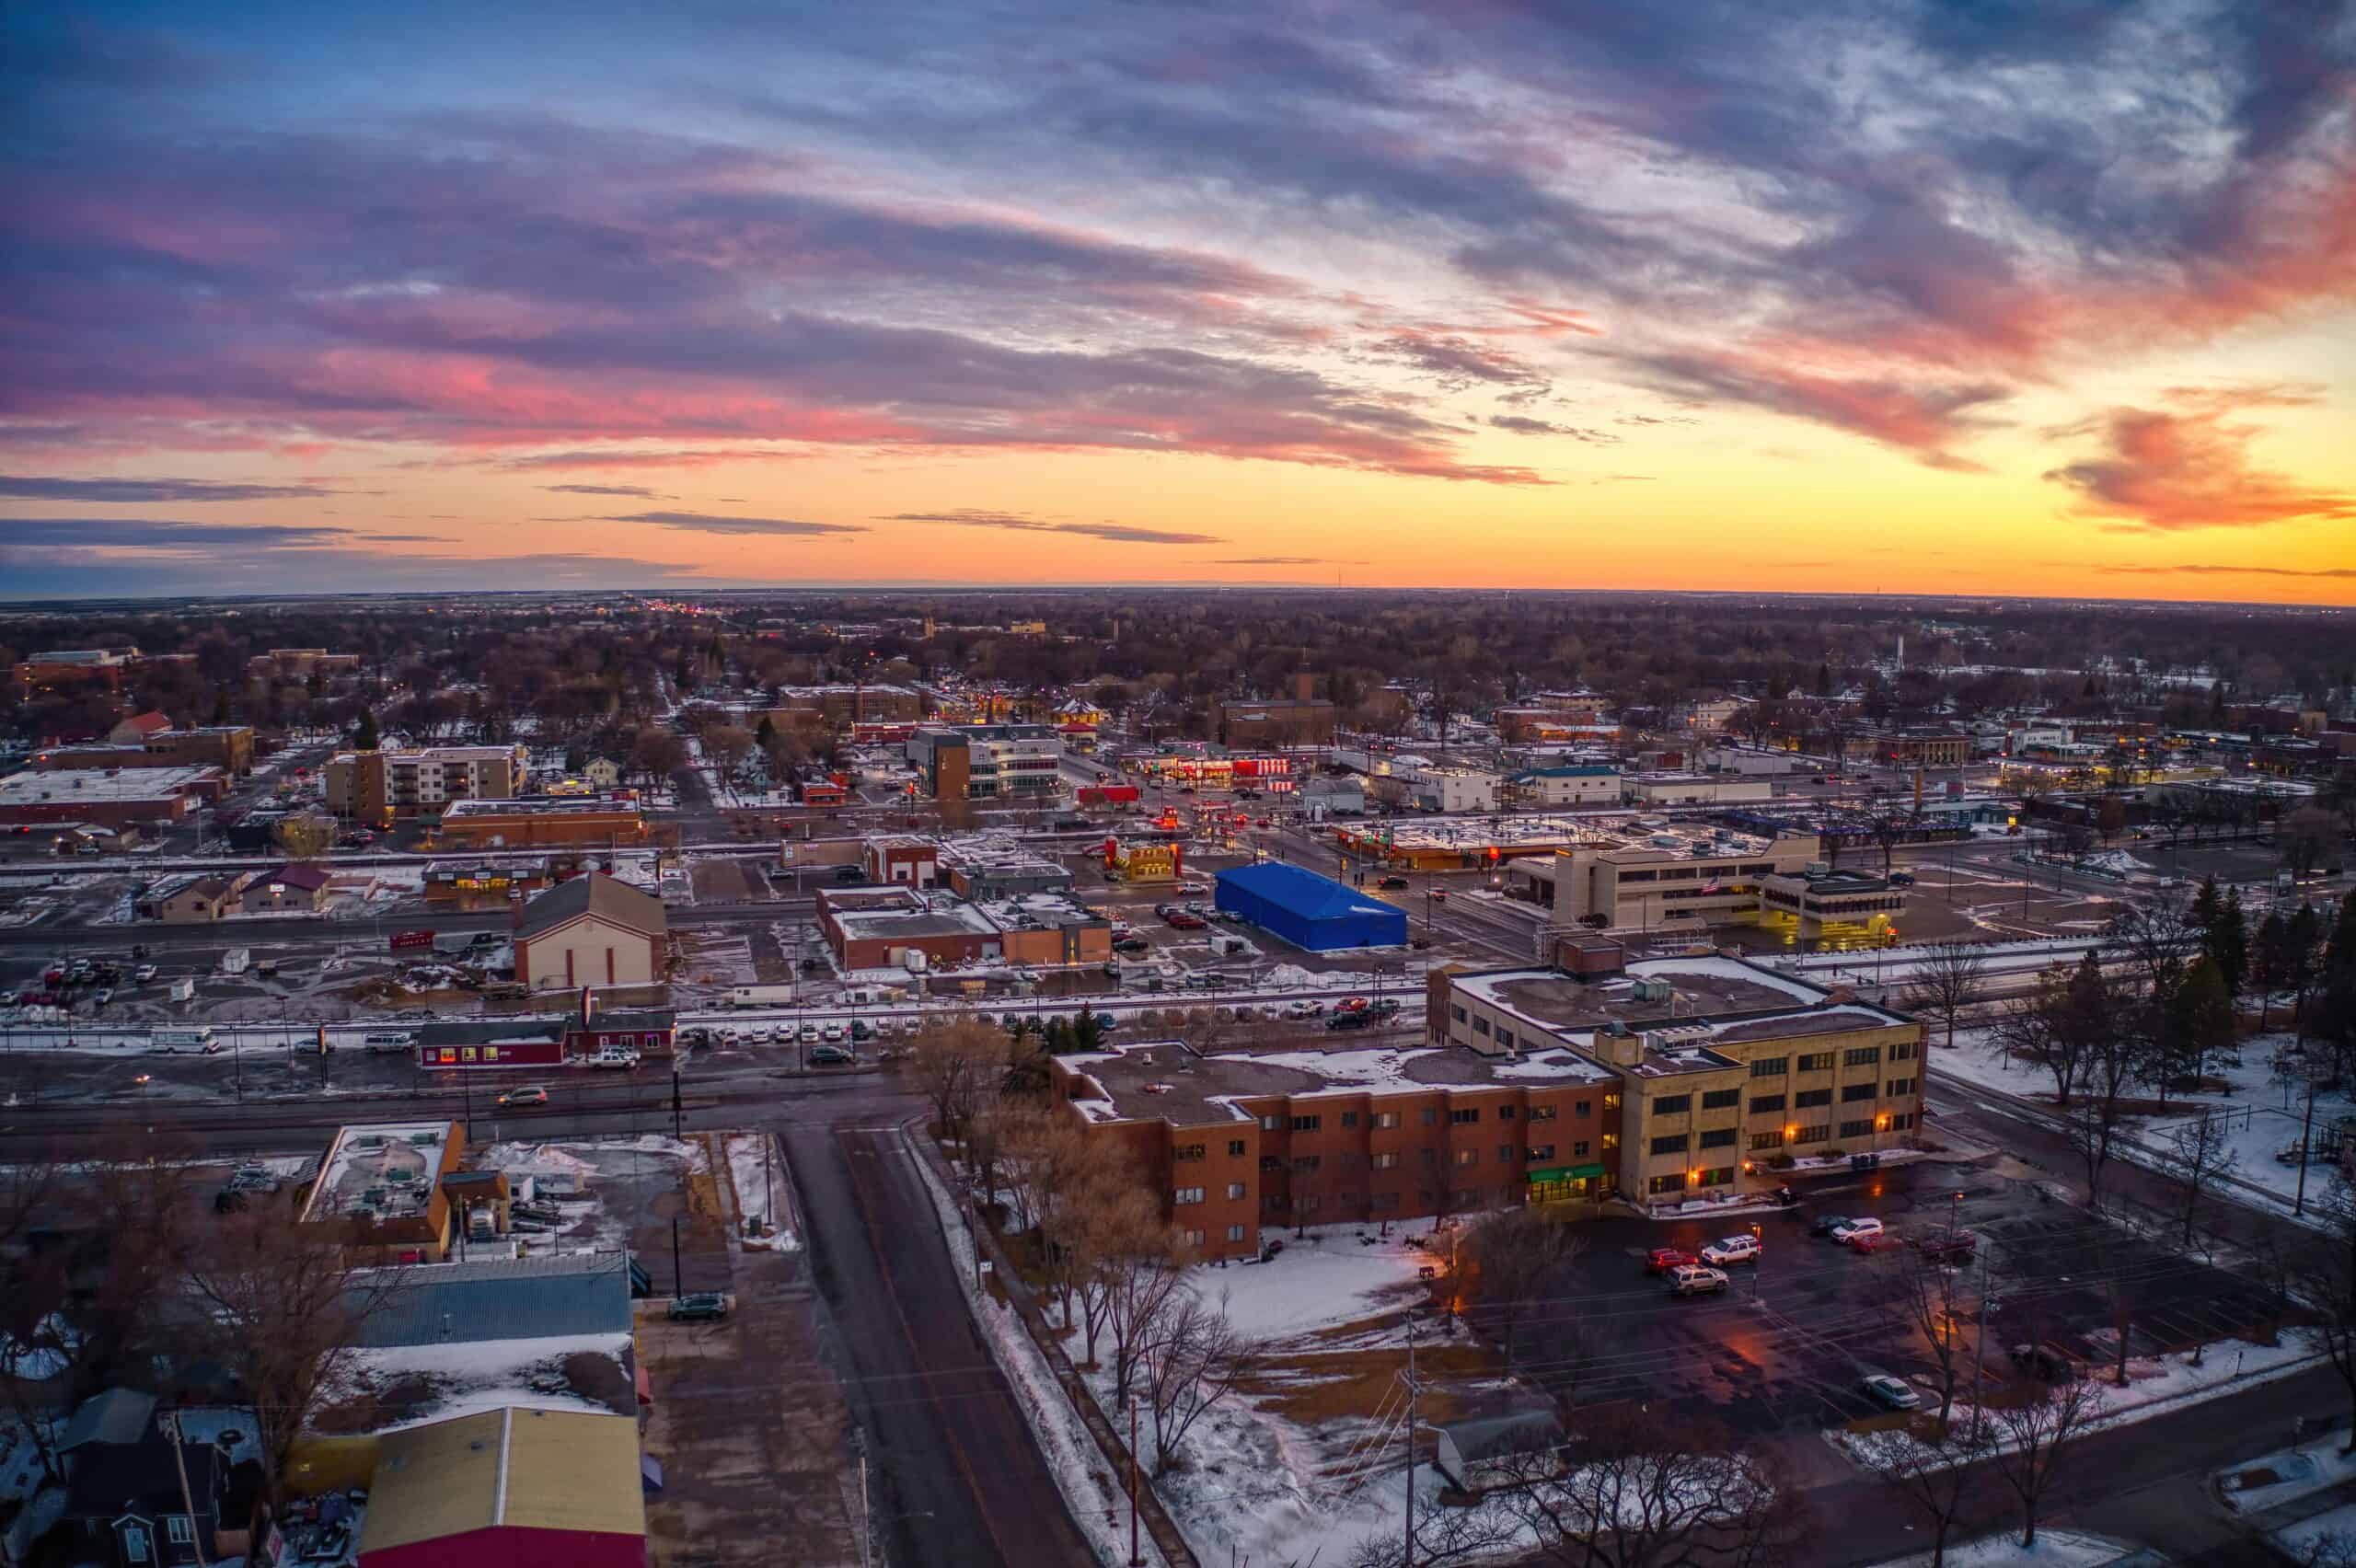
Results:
1654 990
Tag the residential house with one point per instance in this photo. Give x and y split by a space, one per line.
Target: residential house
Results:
301 889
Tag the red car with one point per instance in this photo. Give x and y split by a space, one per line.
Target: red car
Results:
1184 922
1660 1260
1877 1242
1949 1247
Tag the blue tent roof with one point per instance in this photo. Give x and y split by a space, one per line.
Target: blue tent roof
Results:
1304 893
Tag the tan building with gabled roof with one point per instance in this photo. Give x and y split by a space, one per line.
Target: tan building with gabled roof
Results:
592 930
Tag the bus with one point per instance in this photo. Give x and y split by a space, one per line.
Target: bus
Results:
198 1039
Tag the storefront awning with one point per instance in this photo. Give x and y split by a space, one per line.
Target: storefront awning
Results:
1577 1172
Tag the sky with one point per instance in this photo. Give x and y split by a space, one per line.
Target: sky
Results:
2031 297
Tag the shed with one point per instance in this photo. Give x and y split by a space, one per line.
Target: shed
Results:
1307 910
508 1489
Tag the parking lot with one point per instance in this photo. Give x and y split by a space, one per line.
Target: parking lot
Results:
1785 1347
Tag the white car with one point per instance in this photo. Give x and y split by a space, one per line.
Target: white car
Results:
1855 1229
1695 1280
834 1035
809 1034
144 974
1302 1009
1732 1249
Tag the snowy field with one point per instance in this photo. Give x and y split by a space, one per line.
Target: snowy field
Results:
467 1378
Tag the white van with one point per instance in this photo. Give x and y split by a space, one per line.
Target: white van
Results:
1848 1234
388 1040
183 1040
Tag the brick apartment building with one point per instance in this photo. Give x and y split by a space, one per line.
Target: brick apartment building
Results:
558 823
382 786
1678 1075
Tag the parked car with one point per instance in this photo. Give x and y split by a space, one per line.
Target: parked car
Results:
1350 1021
1874 1241
144 974
1438 895
1732 1249
1302 1008
704 1307
1827 1224
851 874
1392 885
831 1056
1891 1393
2043 1362
1696 1280
1848 1230
518 1097
833 1034
1661 1260
1902 879
1131 944
1184 922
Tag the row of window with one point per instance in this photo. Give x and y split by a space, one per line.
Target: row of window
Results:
1821 1131
1308 1164
1463 1115
1710 1138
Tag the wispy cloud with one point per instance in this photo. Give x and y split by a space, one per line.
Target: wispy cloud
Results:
1287 560
1023 522
640 491
1521 424
2165 470
2206 569
715 523
148 491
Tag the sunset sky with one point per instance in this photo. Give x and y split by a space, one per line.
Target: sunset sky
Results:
2034 296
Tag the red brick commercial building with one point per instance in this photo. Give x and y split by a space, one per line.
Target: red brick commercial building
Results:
536 824
1543 1087
109 798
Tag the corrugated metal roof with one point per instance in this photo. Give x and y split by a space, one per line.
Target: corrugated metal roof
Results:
503 1299
540 1469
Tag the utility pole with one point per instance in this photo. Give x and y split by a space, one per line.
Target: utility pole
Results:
1135 1560
2306 1132
1410 1540
866 1522
180 1460
1980 1347
679 1285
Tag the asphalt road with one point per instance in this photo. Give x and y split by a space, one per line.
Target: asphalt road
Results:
963 1483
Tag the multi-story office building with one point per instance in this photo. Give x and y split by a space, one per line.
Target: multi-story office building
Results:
379 786
987 762
1678 1075
1681 877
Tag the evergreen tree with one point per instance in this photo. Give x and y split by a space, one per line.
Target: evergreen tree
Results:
2301 939
2228 945
221 708
2207 908
765 733
2266 960
364 737
2199 1017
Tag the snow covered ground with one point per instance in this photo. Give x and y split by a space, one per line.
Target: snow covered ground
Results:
2054 1549
2262 1116
757 1173
483 1375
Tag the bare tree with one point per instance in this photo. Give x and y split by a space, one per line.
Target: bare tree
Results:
2205 1157
1192 1364
1938 1480
1949 978
951 1064
2158 939
1510 1254
1139 1274
1931 1295
2033 1437
282 1314
1634 1490
2323 1276
305 836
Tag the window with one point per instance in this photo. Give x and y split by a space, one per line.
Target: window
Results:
1187 1151
1235 1233
1578 1151
1850 1093
1766 1140
1902 1051
1721 1099
1388 1161
1862 1056
1307 1124
1671 1104
1234 1192
1542 1151
1349 1118
1480 1026
1819 1063
1270 1124
1270 1163
1306 1205
1194 1238
491 1053
1716 1137
1858 1129
1467 1156
1611 1100
1235 1147
1505 1037
1808 1097
1456 1013
1546 1113
1817 1133
1431 1156
1504 1112
1187 1196
1900 1088
1765 1102
1505 1154
1386 1118
180 1528
1612 1140
1673 1144
1770 1067
1431 1115
1717 1176
1673 1182
1464 1117
1586 1107
466 1054
1303 1164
